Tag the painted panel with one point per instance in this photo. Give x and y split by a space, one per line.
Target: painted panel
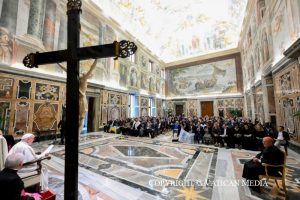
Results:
211 78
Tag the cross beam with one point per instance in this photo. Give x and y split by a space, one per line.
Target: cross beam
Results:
72 55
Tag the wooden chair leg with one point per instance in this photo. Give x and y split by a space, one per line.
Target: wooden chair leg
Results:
284 188
277 184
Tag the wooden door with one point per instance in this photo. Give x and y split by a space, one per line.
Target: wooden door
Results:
179 110
207 108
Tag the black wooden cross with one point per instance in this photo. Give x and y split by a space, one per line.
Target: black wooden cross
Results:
72 56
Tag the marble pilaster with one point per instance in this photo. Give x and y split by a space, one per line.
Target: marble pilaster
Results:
49 24
36 18
252 99
265 100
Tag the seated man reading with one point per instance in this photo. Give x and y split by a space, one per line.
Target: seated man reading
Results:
24 148
269 155
11 185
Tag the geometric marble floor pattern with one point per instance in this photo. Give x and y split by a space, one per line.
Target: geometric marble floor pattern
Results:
116 167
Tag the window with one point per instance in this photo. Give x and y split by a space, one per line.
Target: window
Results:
132 58
152 107
150 65
134 105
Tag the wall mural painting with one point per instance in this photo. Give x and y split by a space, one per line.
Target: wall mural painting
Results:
6 87
24 89
158 86
44 117
144 81
133 78
4 116
114 113
213 78
46 92
143 61
285 83
21 117
157 68
152 85
6 46
288 106
123 75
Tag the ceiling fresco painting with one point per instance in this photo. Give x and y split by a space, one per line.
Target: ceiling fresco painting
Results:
175 30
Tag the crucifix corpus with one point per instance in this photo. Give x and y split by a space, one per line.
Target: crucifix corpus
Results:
73 55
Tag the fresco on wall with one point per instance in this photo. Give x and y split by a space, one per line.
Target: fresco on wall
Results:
44 117
211 78
6 46
152 85
280 29
285 83
133 77
123 70
6 87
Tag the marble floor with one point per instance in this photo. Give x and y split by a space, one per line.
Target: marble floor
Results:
117 167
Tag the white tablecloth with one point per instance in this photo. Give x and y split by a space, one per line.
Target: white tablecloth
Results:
186 137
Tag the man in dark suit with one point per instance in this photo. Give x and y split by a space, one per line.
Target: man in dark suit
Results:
282 138
270 155
226 136
11 185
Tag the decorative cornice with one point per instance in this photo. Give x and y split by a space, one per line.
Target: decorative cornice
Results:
294 50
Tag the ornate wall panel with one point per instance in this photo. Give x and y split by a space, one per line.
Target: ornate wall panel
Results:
46 92
287 96
45 116
4 116
144 106
24 89
22 112
6 87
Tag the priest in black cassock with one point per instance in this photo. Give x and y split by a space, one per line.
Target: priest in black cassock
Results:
270 155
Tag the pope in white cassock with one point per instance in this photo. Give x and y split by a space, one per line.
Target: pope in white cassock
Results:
24 148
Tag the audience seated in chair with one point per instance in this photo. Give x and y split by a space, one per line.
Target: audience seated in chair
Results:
11 185
282 138
269 155
24 148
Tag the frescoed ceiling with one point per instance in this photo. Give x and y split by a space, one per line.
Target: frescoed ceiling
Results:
179 29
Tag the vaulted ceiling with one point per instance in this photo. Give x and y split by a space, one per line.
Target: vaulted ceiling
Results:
179 29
